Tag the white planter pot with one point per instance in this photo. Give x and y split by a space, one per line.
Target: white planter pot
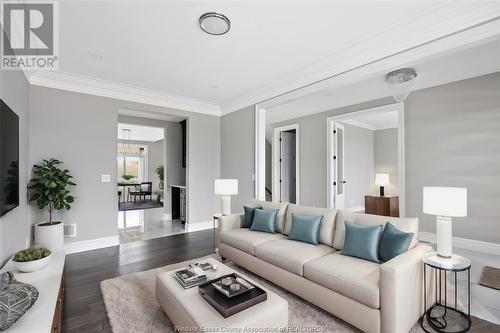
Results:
50 236
31 266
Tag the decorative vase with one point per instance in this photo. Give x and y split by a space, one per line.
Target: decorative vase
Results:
50 235
34 265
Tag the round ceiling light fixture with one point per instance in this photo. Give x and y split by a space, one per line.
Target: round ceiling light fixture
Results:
401 82
214 23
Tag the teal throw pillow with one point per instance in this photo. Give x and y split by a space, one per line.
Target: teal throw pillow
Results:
393 242
264 220
249 214
361 241
305 228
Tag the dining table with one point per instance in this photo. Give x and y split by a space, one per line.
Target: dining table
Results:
125 185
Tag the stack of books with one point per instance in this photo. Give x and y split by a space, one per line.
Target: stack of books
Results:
191 276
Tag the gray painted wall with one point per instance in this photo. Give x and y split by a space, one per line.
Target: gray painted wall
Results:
386 159
15 226
359 162
452 138
81 130
237 153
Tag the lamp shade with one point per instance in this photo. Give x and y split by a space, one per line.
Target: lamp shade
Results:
445 201
382 179
226 186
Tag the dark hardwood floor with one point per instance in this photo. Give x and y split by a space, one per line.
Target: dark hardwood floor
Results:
84 309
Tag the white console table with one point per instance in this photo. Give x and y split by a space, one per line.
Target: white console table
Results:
46 314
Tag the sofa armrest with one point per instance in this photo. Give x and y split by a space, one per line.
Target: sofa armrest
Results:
401 290
229 222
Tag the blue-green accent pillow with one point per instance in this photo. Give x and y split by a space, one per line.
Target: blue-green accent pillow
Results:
393 242
361 241
264 220
305 228
249 214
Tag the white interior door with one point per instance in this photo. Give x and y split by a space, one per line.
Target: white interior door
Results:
339 183
287 166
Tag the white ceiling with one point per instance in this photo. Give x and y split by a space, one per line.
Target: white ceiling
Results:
140 133
154 51
373 121
452 66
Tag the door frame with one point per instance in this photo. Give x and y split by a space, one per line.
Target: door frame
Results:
399 107
334 165
276 166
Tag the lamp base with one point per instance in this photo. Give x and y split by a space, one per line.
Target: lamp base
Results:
443 236
225 204
381 191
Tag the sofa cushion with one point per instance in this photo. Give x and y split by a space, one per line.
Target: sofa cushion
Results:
327 223
402 223
362 241
245 239
289 254
305 228
249 214
280 206
264 220
393 242
352 277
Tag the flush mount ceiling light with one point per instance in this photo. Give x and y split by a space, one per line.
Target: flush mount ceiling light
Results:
400 82
214 23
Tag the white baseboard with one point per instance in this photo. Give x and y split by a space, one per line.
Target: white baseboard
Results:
191 227
91 244
167 216
463 243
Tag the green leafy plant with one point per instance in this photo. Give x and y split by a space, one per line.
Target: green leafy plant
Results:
49 187
128 177
31 254
161 173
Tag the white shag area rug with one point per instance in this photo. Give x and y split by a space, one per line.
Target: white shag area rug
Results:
132 308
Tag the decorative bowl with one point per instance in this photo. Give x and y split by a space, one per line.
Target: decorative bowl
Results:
31 266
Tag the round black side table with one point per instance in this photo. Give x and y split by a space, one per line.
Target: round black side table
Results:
441 316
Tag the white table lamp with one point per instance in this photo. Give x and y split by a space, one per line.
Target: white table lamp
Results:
382 179
226 188
445 203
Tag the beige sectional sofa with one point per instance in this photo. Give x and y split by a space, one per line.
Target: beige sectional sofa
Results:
385 297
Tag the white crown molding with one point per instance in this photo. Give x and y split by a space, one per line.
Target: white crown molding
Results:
91 244
98 87
449 26
463 243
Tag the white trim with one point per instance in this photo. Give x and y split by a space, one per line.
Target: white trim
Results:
98 87
260 153
275 164
463 243
359 123
192 227
401 149
91 244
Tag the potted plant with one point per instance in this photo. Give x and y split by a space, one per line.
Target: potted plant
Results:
161 172
49 190
32 259
127 177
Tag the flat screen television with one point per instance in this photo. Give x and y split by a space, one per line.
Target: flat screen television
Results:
9 159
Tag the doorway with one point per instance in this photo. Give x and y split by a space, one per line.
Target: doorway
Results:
286 164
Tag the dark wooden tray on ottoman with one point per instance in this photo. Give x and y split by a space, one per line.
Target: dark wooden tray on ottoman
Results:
228 306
